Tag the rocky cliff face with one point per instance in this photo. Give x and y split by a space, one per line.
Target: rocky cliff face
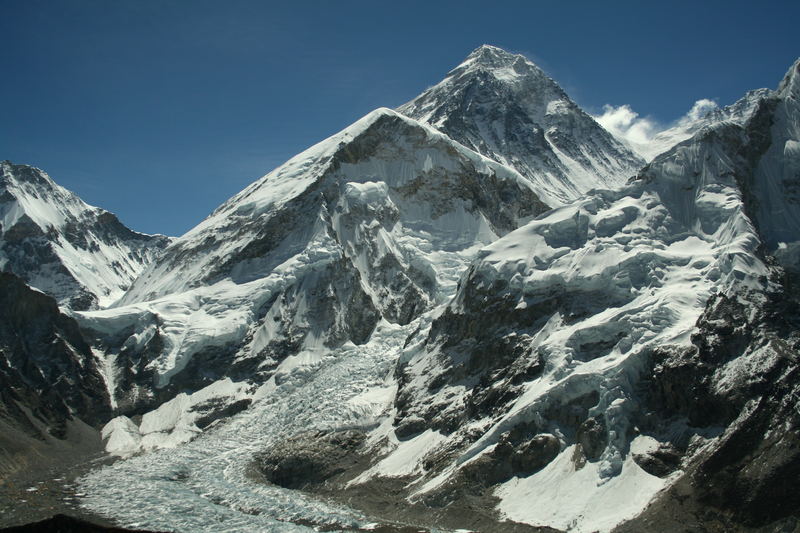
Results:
48 373
82 256
740 374
503 106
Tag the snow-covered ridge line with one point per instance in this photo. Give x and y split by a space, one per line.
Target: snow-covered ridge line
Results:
81 255
256 197
649 140
268 195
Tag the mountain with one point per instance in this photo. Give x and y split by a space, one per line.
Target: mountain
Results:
631 341
385 215
82 256
51 386
503 106
463 314
370 225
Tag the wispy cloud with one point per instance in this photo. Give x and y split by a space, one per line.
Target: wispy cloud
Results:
700 109
625 123
646 135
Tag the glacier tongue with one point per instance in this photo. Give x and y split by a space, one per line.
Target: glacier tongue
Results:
205 485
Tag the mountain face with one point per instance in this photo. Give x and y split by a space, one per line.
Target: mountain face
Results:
49 376
80 255
503 106
367 226
398 311
393 207
626 341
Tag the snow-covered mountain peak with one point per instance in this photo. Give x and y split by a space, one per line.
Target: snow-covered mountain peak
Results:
504 65
81 255
374 224
280 185
500 73
491 53
400 156
503 106
28 191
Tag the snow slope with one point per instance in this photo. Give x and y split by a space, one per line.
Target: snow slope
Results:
504 107
80 255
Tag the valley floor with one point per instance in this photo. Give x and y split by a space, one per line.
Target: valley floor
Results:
39 493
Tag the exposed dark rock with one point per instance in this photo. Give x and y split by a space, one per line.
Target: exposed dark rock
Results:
310 458
660 462
593 438
48 373
67 524
409 426
749 480
509 459
219 412
505 119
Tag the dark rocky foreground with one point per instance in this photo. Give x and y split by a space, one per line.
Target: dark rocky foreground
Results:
45 486
68 524
52 398
749 481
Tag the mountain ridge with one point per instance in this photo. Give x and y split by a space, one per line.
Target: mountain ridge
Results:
81 255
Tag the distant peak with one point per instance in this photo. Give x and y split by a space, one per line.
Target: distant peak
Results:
25 173
488 49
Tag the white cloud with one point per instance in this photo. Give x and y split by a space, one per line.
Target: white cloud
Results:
626 124
647 136
700 109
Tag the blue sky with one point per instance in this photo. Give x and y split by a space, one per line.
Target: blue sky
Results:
161 110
